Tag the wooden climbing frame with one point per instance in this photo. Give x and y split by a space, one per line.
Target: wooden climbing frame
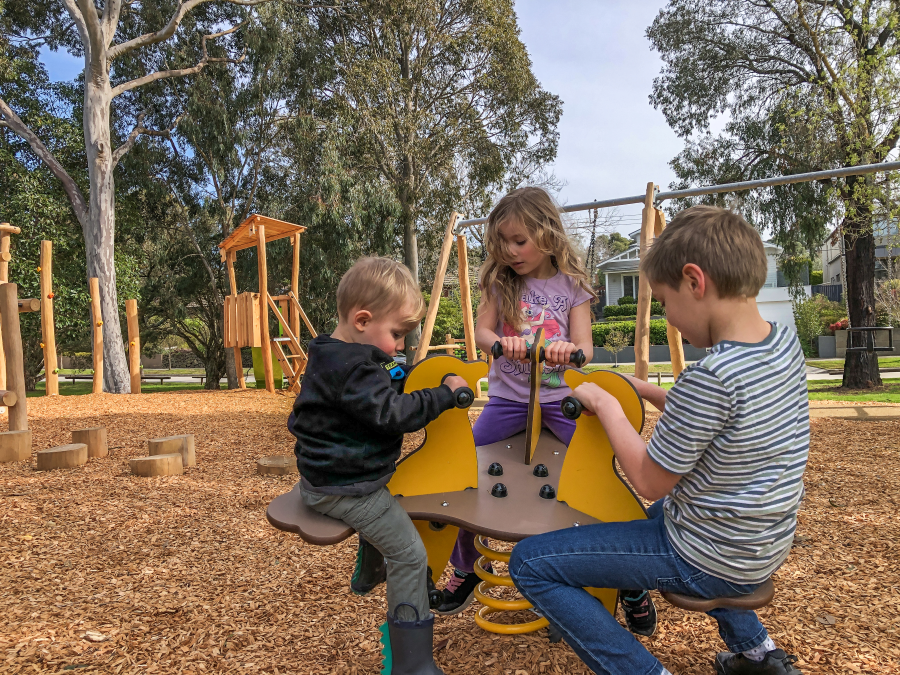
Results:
247 314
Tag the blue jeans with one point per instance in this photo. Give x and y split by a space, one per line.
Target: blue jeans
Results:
551 570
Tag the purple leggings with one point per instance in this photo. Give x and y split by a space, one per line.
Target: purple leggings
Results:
500 419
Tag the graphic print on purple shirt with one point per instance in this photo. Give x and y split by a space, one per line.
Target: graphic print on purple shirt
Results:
546 304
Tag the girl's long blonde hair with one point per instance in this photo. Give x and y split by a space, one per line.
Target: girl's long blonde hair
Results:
540 216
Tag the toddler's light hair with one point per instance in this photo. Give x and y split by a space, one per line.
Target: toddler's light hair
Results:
540 216
381 286
720 242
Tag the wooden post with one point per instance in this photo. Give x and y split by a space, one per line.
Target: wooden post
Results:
642 322
5 257
134 345
436 288
48 332
295 285
230 257
12 347
265 345
465 298
676 348
97 326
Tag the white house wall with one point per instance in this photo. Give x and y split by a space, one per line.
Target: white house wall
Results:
613 288
775 305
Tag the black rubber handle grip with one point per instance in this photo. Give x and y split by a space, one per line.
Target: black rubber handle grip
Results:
571 408
577 358
463 397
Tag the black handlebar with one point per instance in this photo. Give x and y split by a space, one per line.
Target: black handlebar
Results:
577 358
463 397
571 407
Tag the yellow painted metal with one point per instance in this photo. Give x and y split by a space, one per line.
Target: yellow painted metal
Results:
438 545
608 596
492 605
588 481
446 461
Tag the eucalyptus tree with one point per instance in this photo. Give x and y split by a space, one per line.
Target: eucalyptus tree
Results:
128 48
805 85
438 95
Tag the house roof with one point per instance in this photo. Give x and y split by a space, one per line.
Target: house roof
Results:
630 259
245 234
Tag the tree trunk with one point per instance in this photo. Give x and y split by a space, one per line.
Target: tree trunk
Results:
411 260
860 368
215 366
99 230
230 370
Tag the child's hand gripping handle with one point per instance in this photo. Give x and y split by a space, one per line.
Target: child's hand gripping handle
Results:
571 407
463 396
577 358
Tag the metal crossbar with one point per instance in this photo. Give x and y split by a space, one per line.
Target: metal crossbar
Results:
714 189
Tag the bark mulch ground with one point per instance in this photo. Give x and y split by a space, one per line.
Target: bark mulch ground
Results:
102 572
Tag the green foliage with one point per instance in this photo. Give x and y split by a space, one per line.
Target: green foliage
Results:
808 318
621 309
449 318
815 277
627 300
804 86
608 245
601 331
616 341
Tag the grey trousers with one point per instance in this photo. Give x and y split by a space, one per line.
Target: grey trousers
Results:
384 523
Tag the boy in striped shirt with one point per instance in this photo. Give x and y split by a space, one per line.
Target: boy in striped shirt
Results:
724 466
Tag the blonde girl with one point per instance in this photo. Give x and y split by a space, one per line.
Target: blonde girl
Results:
531 279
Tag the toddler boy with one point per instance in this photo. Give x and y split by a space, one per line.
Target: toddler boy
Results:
725 462
349 420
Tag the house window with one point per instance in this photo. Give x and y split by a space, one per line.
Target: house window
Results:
630 285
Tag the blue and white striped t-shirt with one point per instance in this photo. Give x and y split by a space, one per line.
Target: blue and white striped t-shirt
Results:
736 426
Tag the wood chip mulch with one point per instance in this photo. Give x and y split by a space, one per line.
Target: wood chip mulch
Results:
103 572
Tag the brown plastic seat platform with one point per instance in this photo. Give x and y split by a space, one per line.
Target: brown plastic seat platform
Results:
288 512
521 514
761 597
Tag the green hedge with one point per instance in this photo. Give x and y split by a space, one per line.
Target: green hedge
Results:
627 300
658 334
630 310
815 277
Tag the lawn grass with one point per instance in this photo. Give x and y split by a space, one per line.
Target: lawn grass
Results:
84 387
831 364
830 390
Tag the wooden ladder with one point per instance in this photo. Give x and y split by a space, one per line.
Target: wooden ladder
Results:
294 362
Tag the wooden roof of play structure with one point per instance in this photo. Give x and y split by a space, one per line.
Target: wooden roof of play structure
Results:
244 235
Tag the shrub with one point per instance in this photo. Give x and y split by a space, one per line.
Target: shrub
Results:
601 331
815 277
627 300
808 317
630 310
615 342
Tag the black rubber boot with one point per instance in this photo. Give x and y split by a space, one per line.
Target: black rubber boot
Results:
408 650
370 570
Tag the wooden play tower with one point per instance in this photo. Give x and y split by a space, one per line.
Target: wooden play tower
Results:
247 314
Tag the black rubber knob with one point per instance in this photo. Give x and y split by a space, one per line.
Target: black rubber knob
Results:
577 358
547 492
495 469
497 351
541 471
499 490
571 408
464 397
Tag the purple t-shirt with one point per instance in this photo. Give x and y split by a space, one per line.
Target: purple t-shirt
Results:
546 304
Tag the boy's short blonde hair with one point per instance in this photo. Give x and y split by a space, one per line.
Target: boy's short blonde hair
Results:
719 242
381 286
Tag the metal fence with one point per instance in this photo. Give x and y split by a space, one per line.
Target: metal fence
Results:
833 292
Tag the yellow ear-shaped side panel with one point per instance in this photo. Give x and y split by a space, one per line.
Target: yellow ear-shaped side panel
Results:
446 461
438 545
588 481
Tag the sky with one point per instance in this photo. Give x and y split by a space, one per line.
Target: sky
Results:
593 54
